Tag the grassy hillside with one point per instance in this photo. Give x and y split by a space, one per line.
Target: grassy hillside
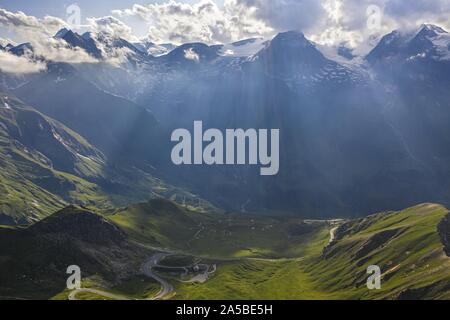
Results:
166 225
46 166
406 245
246 257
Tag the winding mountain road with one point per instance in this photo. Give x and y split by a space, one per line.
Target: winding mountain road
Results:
166 287
147 269
73 294
333 234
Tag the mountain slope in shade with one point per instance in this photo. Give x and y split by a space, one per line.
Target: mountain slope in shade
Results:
46 165
291 52
291 57
64 149
355 139
34 260
118 127
429 42
337 152
414 74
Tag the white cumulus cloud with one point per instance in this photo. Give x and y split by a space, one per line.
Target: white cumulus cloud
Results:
113 27
203 21
5 42
39 32
57 50
330 22
10 63
24 24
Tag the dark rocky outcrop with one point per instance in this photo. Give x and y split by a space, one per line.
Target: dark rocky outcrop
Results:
37 257
444 233
377 241
424 293
78 224
6 220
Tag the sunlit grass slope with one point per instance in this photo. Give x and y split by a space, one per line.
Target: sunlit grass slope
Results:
166 225
406 246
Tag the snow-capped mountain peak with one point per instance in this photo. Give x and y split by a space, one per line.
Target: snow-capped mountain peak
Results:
87 35
21 49
99 45
73 39
61 33
192 53
428 42
431 30
153 49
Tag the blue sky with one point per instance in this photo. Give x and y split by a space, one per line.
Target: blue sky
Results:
56 8
89 8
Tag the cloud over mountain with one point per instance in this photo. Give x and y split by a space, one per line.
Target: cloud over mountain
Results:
10 63
332 22
39 32
112 26
325 21
5 42
25 24
203 21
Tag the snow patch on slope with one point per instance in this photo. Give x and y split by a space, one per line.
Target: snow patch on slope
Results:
442 43
243 48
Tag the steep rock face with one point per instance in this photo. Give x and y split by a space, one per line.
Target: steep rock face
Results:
291 53
444 232
75 40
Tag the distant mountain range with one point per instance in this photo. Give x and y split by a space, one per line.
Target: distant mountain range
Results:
358 134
